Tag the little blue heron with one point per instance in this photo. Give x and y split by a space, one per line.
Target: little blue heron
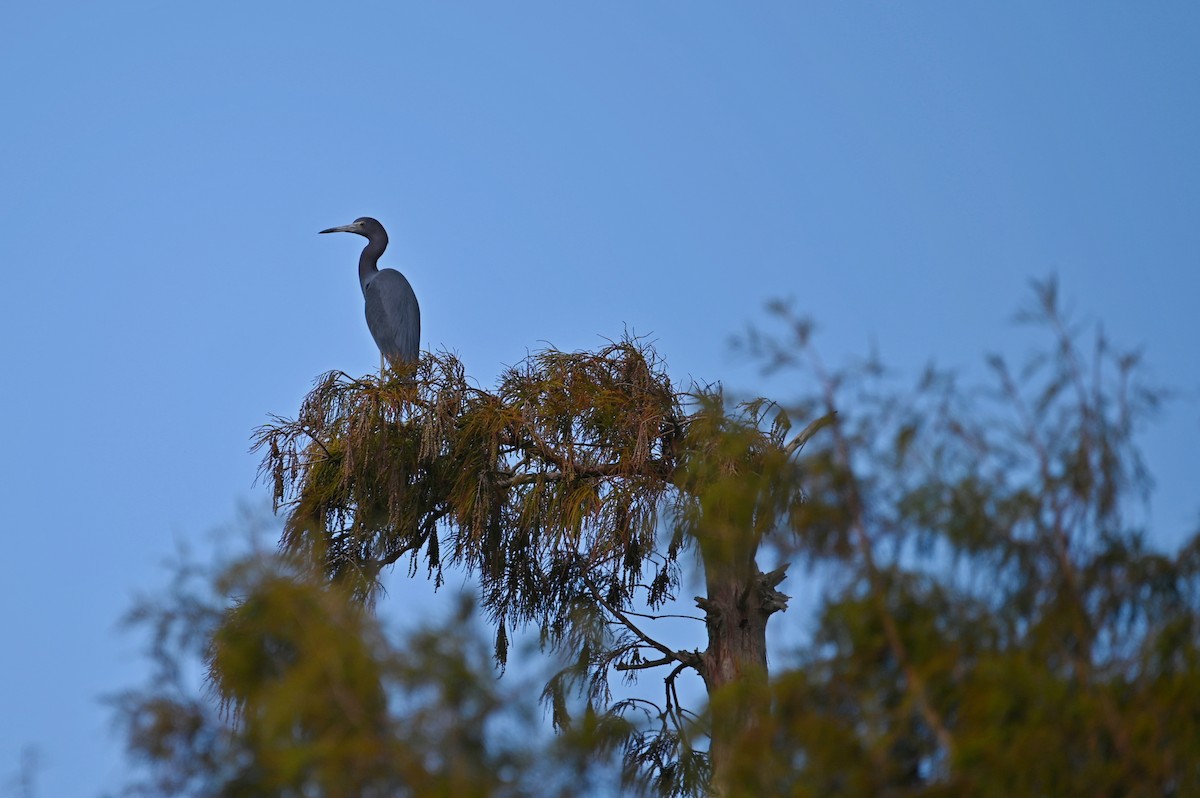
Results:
393 315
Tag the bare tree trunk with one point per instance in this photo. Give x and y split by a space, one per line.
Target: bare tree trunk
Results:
734 667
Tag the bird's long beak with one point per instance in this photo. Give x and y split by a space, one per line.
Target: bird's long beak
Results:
346 228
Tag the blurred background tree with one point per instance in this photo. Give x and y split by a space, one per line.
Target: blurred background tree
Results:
995 622
991 618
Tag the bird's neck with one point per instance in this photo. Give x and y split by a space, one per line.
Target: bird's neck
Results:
368 261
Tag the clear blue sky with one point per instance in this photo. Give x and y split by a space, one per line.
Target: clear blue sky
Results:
549 172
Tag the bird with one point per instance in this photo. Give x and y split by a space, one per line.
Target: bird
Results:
393 315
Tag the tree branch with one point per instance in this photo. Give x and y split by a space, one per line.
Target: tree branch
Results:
812 429
511 479
683 657
652 617
673 708
644 664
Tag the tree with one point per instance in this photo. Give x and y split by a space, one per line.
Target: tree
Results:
992 623
553 491
997 623
313 696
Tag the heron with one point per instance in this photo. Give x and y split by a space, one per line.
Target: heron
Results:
393 316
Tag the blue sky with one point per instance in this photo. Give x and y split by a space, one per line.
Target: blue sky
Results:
548 172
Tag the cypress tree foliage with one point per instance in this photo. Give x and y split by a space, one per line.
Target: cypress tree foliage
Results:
570 492
992 620
311 695
997 623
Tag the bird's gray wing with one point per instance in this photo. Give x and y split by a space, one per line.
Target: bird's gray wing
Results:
393 316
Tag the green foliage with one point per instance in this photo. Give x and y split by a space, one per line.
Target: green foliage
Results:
992 621
570 492
570 456
737 479
326 701
995 624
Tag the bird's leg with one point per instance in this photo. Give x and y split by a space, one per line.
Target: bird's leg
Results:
382 366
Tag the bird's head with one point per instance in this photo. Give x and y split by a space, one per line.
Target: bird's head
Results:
363 226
